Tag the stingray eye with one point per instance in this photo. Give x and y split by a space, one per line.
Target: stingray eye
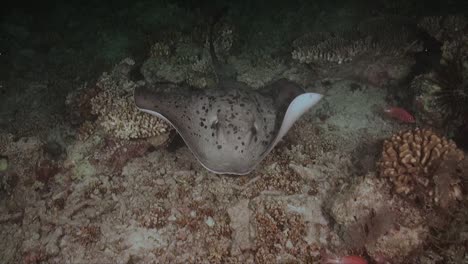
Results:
215 124
254 129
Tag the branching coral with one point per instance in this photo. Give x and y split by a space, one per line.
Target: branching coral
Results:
418 162
116 111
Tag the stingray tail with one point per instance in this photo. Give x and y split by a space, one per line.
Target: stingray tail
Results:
216 64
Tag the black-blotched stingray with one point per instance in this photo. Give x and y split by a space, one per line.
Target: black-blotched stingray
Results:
231 128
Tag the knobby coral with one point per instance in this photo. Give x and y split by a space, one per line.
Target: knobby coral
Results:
423 166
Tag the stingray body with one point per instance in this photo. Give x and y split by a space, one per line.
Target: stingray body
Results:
229 129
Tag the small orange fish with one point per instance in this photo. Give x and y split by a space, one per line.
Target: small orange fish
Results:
344 260
399 114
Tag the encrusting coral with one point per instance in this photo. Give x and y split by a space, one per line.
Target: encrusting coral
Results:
423 165
441 28
377 36
116 111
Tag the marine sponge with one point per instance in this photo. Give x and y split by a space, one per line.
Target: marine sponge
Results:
421 164
116 111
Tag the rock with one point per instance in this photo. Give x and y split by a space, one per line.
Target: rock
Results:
3 163
240 216
209 221
369 216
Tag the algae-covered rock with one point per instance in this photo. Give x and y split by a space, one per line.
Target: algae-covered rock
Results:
3 164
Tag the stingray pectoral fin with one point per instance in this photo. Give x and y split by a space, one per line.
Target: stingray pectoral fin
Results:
146 101
296 109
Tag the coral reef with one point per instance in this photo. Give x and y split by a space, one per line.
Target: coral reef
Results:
109 191
115 109
423 165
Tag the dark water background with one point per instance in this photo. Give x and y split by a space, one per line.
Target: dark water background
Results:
60 45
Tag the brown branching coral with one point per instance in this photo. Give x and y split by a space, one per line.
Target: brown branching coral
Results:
420 164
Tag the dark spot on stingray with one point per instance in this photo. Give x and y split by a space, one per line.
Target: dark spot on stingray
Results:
219 146
201 124
242 105
236 147
203 107
219 110
242 151
243 144
228 132
202 119
206 127
198 112
212 134
239 138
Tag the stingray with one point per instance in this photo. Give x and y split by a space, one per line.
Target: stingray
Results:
229 129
